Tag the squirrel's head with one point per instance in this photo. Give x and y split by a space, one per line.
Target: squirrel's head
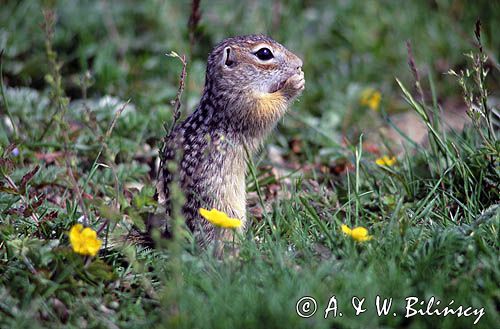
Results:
254 77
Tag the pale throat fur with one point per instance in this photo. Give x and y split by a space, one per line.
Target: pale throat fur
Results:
250 82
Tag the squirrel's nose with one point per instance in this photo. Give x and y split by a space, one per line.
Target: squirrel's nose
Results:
295 61
299 64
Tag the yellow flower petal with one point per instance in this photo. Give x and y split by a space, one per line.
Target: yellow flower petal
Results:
371 98
74 233
84 241
93 247
386 161
346 229
359 234
219 218
89 233
205 213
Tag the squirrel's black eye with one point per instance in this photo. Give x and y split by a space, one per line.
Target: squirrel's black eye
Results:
264 54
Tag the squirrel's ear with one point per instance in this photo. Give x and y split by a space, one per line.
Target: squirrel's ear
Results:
228 58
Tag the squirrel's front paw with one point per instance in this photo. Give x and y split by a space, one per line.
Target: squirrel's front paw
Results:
294 85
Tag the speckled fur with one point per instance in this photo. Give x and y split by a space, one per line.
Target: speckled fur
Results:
239 107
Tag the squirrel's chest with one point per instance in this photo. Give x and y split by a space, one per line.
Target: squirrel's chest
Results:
226 178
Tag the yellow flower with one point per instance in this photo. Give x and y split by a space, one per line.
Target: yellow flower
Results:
371 98
219 218
386 161
359 234
84 240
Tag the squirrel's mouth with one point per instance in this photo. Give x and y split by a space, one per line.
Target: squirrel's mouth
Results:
277 86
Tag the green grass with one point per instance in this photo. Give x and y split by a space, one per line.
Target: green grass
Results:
89 94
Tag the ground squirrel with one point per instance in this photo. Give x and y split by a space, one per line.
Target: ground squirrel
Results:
250 82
